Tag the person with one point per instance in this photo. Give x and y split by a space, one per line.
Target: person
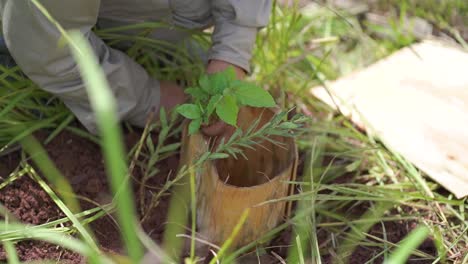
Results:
33 42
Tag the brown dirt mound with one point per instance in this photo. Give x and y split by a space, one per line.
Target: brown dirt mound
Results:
25 199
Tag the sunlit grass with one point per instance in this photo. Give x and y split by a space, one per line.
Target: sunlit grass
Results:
296 52
105 109
406 246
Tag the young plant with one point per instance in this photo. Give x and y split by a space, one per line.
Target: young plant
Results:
221 94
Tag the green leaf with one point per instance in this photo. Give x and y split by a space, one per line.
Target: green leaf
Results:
197 93
252 95
163 134
170 147
211 106
288 125
218 156
219 82
163 117
406 247
230 74
227 110
206 85
189 111
150 144
203 157
194 126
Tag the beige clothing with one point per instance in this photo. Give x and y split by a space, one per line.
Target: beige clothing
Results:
33 42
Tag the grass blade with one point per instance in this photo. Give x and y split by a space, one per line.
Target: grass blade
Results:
86 234
193 205
230 239
70 204
299 250
40 157
359 230
11 252
48 235
405 247
103 103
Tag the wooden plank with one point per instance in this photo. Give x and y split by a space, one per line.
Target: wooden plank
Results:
416 101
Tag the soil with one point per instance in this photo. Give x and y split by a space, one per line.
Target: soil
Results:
81 162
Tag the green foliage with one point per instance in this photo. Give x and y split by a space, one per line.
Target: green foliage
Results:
24 108
227 109
408 245
190 111
104 106
11 253
443 14
223 94
345 169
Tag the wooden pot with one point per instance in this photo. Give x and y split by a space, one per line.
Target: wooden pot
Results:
225 188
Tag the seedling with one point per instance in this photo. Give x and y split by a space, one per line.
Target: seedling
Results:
220 95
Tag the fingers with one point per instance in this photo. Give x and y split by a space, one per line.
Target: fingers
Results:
215 129
219 131
172 95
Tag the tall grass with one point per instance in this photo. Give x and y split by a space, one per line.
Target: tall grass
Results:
406 246
104 107
351 188
24 108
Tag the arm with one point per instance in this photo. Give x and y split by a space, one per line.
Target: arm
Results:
236 25
34 44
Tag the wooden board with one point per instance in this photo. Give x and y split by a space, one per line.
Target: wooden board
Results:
416 101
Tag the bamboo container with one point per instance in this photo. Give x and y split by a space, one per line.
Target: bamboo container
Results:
225 188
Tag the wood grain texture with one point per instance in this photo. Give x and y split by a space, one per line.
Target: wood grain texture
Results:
416 102
229 186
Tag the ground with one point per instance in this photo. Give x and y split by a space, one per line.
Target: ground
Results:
81 162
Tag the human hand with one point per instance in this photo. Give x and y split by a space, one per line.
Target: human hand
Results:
172 95
218 65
